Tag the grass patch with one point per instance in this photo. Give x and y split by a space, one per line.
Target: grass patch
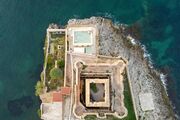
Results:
50 65
128 100
90 117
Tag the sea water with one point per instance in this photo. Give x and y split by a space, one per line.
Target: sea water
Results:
23 26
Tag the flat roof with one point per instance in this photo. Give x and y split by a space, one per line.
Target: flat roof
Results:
57 96
79 49
66 90
106 102
146 101
51 111
88 50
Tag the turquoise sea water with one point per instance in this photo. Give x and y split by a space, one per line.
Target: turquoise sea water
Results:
23 25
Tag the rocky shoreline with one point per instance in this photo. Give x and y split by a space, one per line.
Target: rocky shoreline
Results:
115 41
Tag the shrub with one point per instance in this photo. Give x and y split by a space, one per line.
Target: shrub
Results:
61 63
39 112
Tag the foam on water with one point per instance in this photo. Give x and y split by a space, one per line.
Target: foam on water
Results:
146 54
164 81
133 41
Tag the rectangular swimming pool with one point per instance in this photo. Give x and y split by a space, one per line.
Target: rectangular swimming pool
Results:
82 37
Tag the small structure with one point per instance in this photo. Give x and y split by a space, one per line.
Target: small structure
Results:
146 101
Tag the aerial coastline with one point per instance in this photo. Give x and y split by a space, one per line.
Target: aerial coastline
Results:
111 42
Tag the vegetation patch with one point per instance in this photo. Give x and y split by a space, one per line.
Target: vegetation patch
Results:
128 100
50 65
39 113
39 88
90 117
93 87
61 64
84 66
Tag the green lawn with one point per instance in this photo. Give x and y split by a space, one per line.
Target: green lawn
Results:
128 100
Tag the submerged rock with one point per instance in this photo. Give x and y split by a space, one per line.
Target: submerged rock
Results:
16 107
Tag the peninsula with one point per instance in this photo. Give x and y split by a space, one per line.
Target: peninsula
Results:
93 69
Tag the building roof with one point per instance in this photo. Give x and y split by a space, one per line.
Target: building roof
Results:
51 111
57 96
65 90
79 49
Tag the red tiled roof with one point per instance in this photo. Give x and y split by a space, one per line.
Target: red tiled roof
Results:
66 90
57 97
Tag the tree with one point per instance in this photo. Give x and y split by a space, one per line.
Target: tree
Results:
39 88
56 73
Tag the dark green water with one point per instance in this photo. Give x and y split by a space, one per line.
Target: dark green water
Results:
23 25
